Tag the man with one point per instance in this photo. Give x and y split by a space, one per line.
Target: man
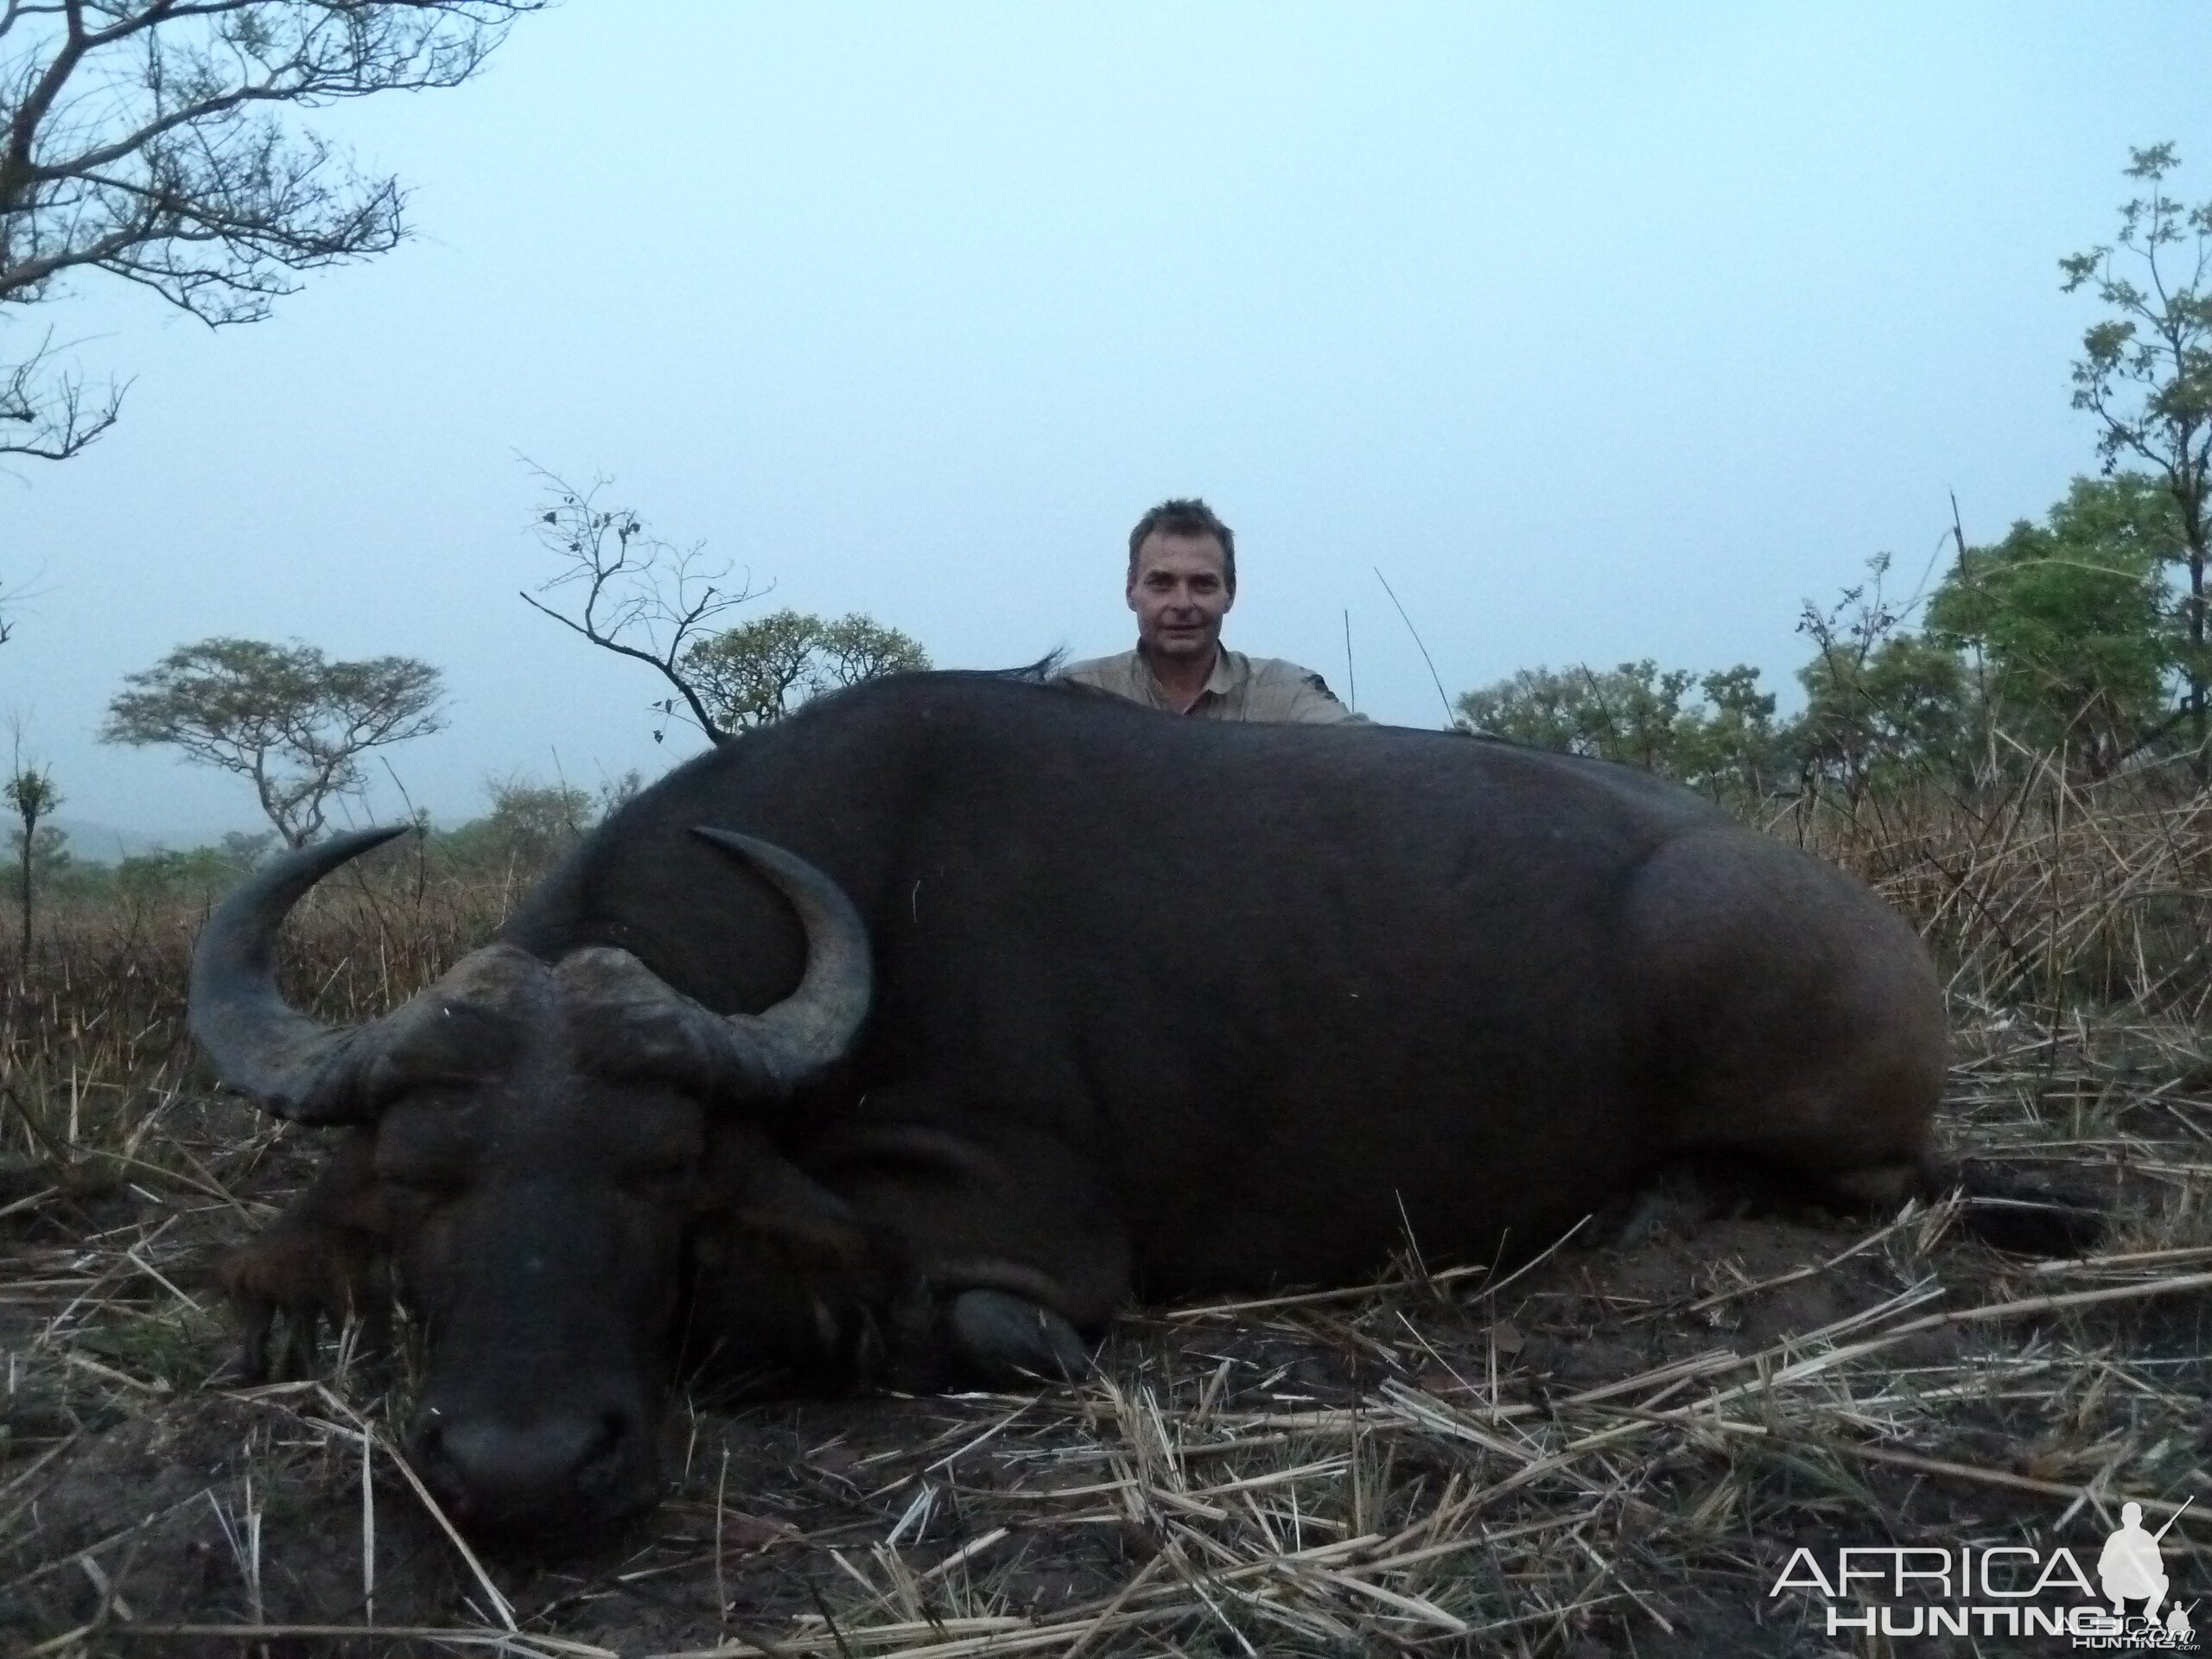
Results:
1182 581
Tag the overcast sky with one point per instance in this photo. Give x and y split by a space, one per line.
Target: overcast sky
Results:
1606 331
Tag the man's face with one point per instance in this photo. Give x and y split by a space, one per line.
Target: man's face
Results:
1180 595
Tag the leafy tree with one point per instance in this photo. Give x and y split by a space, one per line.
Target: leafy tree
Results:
158 141
30 794
1535 706
529 826
1730 746
2146 374
1881 702
758 672
1900 707
286 717
244 849
1720 739
2069 620
1626 713
201 874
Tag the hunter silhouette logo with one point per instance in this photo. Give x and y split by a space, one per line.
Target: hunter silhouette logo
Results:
2005 1590
2132 1569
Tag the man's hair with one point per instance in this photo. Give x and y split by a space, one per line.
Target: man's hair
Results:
1186 516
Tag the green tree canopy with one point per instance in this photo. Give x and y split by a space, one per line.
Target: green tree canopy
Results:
1627 714
1730 747
529 827
2146 374
758 672
285 718
1899 708
2071 620
1719 737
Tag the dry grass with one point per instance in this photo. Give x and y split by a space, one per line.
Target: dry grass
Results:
2046 895
1611 1451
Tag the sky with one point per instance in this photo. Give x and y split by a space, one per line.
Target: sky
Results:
1602 331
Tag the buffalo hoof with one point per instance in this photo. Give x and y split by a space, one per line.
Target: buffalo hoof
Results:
1004 1338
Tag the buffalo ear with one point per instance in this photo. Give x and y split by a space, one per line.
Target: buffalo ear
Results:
761 1199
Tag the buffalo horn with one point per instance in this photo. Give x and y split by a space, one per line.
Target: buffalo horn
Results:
811 1029
259 1044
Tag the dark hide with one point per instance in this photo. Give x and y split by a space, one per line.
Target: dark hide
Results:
1162 1008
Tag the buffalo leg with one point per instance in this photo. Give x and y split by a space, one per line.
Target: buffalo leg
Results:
319 1260
997 1334
787 1281
1010 1234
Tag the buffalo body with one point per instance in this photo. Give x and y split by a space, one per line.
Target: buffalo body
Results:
1126 1005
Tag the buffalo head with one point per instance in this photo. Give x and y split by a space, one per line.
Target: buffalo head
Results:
532 1144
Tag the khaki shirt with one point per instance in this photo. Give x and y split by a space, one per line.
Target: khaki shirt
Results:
1240 688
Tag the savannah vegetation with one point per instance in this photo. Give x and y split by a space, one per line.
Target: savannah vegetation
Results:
1602 1450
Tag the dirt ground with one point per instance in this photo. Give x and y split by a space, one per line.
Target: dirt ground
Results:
1613 1452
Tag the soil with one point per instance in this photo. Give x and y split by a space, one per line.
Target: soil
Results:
139 1498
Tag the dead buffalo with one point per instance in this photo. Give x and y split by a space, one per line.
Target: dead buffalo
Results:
919 1033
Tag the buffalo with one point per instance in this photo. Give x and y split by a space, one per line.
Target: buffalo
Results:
914 1035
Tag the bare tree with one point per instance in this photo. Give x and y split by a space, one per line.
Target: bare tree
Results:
156 140
285 718
2146 373
636 595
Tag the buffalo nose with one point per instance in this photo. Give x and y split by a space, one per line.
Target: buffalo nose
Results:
499 1474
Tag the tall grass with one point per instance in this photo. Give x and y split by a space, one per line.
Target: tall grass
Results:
92 1037
2053 895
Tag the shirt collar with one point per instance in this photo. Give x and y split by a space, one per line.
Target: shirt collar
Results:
1229 669
1228 672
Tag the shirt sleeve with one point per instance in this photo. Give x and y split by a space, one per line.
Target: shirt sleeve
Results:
1308 701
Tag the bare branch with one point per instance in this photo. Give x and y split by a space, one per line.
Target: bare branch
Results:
640 597
158 141
45 412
